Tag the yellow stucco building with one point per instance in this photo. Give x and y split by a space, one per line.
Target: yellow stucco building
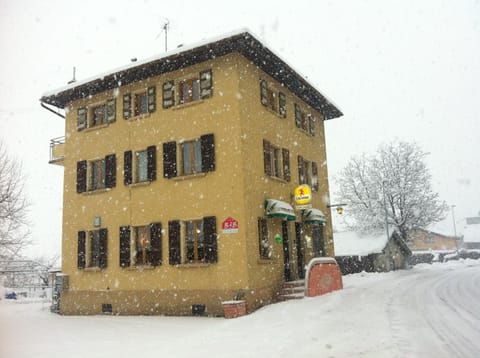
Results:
179 178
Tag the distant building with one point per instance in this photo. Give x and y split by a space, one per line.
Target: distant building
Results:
179 173
471 233
371 253
425 240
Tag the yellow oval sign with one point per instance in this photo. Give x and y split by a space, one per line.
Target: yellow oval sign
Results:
302 195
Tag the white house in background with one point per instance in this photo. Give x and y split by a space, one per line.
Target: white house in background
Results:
471 233
373 252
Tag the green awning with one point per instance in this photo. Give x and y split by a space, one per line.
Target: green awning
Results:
314 216
279 209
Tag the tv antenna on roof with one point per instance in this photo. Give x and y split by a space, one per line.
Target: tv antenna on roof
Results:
165 24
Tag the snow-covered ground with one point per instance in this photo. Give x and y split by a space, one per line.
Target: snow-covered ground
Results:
428 311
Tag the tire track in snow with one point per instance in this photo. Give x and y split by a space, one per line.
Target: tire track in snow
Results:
443 309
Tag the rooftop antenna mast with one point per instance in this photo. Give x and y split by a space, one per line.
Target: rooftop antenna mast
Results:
73 79
166 24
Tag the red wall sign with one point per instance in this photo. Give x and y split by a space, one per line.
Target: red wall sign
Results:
230 226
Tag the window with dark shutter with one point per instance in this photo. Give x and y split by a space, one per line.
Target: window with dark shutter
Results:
210 231
208 152
206 84
125 246
82 235
315 183
263 92
301 170
111 171
282 104
311 124
127 167
174 257
168 94
286 164
102 257
267 158
127 106
298 116
82 176
152 163
81 118
156 243
111 110
169 160
152 99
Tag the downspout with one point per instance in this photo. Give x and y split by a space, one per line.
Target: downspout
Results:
51 110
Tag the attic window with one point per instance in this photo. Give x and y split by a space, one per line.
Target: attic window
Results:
272 99
96 115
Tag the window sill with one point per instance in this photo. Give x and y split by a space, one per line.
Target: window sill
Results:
276 113
139 184
140 268
92 269
138 117
265 261
277 179
189 176
194 265
94 128
306 132
96 191
189 104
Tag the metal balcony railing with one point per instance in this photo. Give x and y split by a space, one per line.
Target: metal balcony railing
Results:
57 150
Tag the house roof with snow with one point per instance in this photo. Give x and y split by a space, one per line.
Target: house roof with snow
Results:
350 243
241 41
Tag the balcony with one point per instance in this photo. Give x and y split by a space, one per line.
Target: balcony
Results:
57 151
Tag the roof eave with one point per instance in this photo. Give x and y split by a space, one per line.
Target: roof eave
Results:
243 43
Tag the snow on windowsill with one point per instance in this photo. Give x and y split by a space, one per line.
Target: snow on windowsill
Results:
189 176
188 104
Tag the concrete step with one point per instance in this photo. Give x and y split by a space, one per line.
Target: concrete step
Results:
292 290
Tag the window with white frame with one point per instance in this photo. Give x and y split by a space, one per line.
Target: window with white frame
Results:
92 249
188 90
272 99
276 161
139 103
96 174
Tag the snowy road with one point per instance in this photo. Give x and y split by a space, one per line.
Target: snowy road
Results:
428 311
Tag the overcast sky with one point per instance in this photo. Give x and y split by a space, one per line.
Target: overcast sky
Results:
397 69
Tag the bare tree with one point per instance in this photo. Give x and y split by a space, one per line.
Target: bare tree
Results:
393 185
14 233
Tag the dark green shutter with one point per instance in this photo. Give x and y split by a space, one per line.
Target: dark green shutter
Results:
263 92
81 249
111 110
152 163
81 118
110 171
152 99
102 257
311 124
82 176
174 257
125 246
207 143
168 94
127 167
127 106
315 176
282 104
210 232
169 160
156 243
206 84
267 159
298 116
301 172
286 164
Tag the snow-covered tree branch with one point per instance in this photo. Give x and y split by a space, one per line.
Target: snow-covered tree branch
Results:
14 233
393 185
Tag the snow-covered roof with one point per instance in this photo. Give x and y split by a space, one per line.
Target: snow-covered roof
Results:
350 243
471 233
241 41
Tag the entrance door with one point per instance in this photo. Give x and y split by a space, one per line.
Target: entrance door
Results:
286 252
300 249
318 242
